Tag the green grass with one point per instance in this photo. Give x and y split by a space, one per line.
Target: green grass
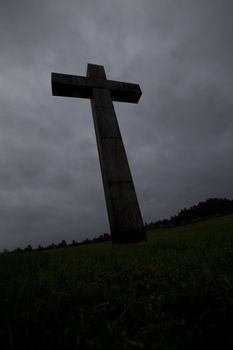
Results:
173 292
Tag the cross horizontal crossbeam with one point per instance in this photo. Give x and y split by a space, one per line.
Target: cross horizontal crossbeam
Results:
78 86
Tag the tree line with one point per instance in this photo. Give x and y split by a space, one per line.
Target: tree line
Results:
203 210
212 207
63 244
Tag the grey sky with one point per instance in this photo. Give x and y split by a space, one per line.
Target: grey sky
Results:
178 138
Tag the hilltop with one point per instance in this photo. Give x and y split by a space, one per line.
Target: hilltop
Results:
173 292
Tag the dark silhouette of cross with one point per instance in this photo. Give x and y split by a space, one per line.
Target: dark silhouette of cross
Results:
124 214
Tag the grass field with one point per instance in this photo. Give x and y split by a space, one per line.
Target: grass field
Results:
173 292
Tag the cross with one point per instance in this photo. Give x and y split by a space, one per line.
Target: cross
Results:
124 214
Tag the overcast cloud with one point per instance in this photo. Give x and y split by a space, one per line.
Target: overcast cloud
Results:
178 138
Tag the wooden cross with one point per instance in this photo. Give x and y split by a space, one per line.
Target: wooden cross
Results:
124 214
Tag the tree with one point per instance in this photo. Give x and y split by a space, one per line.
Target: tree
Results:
52 246
62 244
28 248
17 250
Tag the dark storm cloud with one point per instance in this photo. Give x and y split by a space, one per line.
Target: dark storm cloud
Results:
178 138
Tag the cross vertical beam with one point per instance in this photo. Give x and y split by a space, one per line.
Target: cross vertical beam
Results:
124 214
